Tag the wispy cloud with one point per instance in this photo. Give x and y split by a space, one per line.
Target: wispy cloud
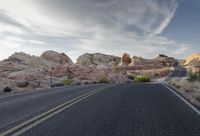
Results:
183 48
77 26
167 19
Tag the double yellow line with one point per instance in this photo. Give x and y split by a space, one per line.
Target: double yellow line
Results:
25 126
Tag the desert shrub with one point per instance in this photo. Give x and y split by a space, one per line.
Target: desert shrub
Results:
7 89
58 84
94 82
142 79
68 81
78 83
139 78
103 79
188 90
193 76
86 83
22 84
198 98
131 76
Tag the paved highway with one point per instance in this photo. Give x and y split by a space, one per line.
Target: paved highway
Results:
99 110
179 72
17 108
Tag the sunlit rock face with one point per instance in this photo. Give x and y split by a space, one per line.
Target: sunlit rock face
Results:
160 61
56 57
192 62
23 71
126 60
97 59
93 73
19 57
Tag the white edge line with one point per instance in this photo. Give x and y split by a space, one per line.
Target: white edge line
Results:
183 99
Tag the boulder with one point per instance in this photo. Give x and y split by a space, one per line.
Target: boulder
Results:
56 57
18 57
97 59
126 60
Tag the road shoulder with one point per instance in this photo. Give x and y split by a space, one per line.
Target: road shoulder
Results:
184 99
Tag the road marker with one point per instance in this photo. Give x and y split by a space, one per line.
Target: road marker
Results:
23 127
183 99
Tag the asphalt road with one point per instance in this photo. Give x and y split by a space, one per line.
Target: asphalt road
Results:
17 108
178 72
120 110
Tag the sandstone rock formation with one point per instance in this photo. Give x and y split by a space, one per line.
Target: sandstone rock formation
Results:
19 57
192 59
192 62
126 60
154 68
23 72
160 61
56 57
92 73
97 59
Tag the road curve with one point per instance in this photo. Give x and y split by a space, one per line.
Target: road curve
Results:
178 72
123 110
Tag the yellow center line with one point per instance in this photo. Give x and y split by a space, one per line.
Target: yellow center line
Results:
23 127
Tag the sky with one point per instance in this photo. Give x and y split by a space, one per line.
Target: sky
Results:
139 27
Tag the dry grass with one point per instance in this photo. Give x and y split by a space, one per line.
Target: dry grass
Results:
153 73
191 90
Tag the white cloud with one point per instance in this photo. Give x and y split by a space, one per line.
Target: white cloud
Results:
167 19
77 26
36 42
12 42
183 48
10 28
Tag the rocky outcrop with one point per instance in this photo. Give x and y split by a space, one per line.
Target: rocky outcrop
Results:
56 57
192 62
165 60
192 59
97 59
92 73
23 72
126 60
160 61
19 57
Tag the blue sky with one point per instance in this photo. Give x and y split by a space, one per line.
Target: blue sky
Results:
138 27
185 26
